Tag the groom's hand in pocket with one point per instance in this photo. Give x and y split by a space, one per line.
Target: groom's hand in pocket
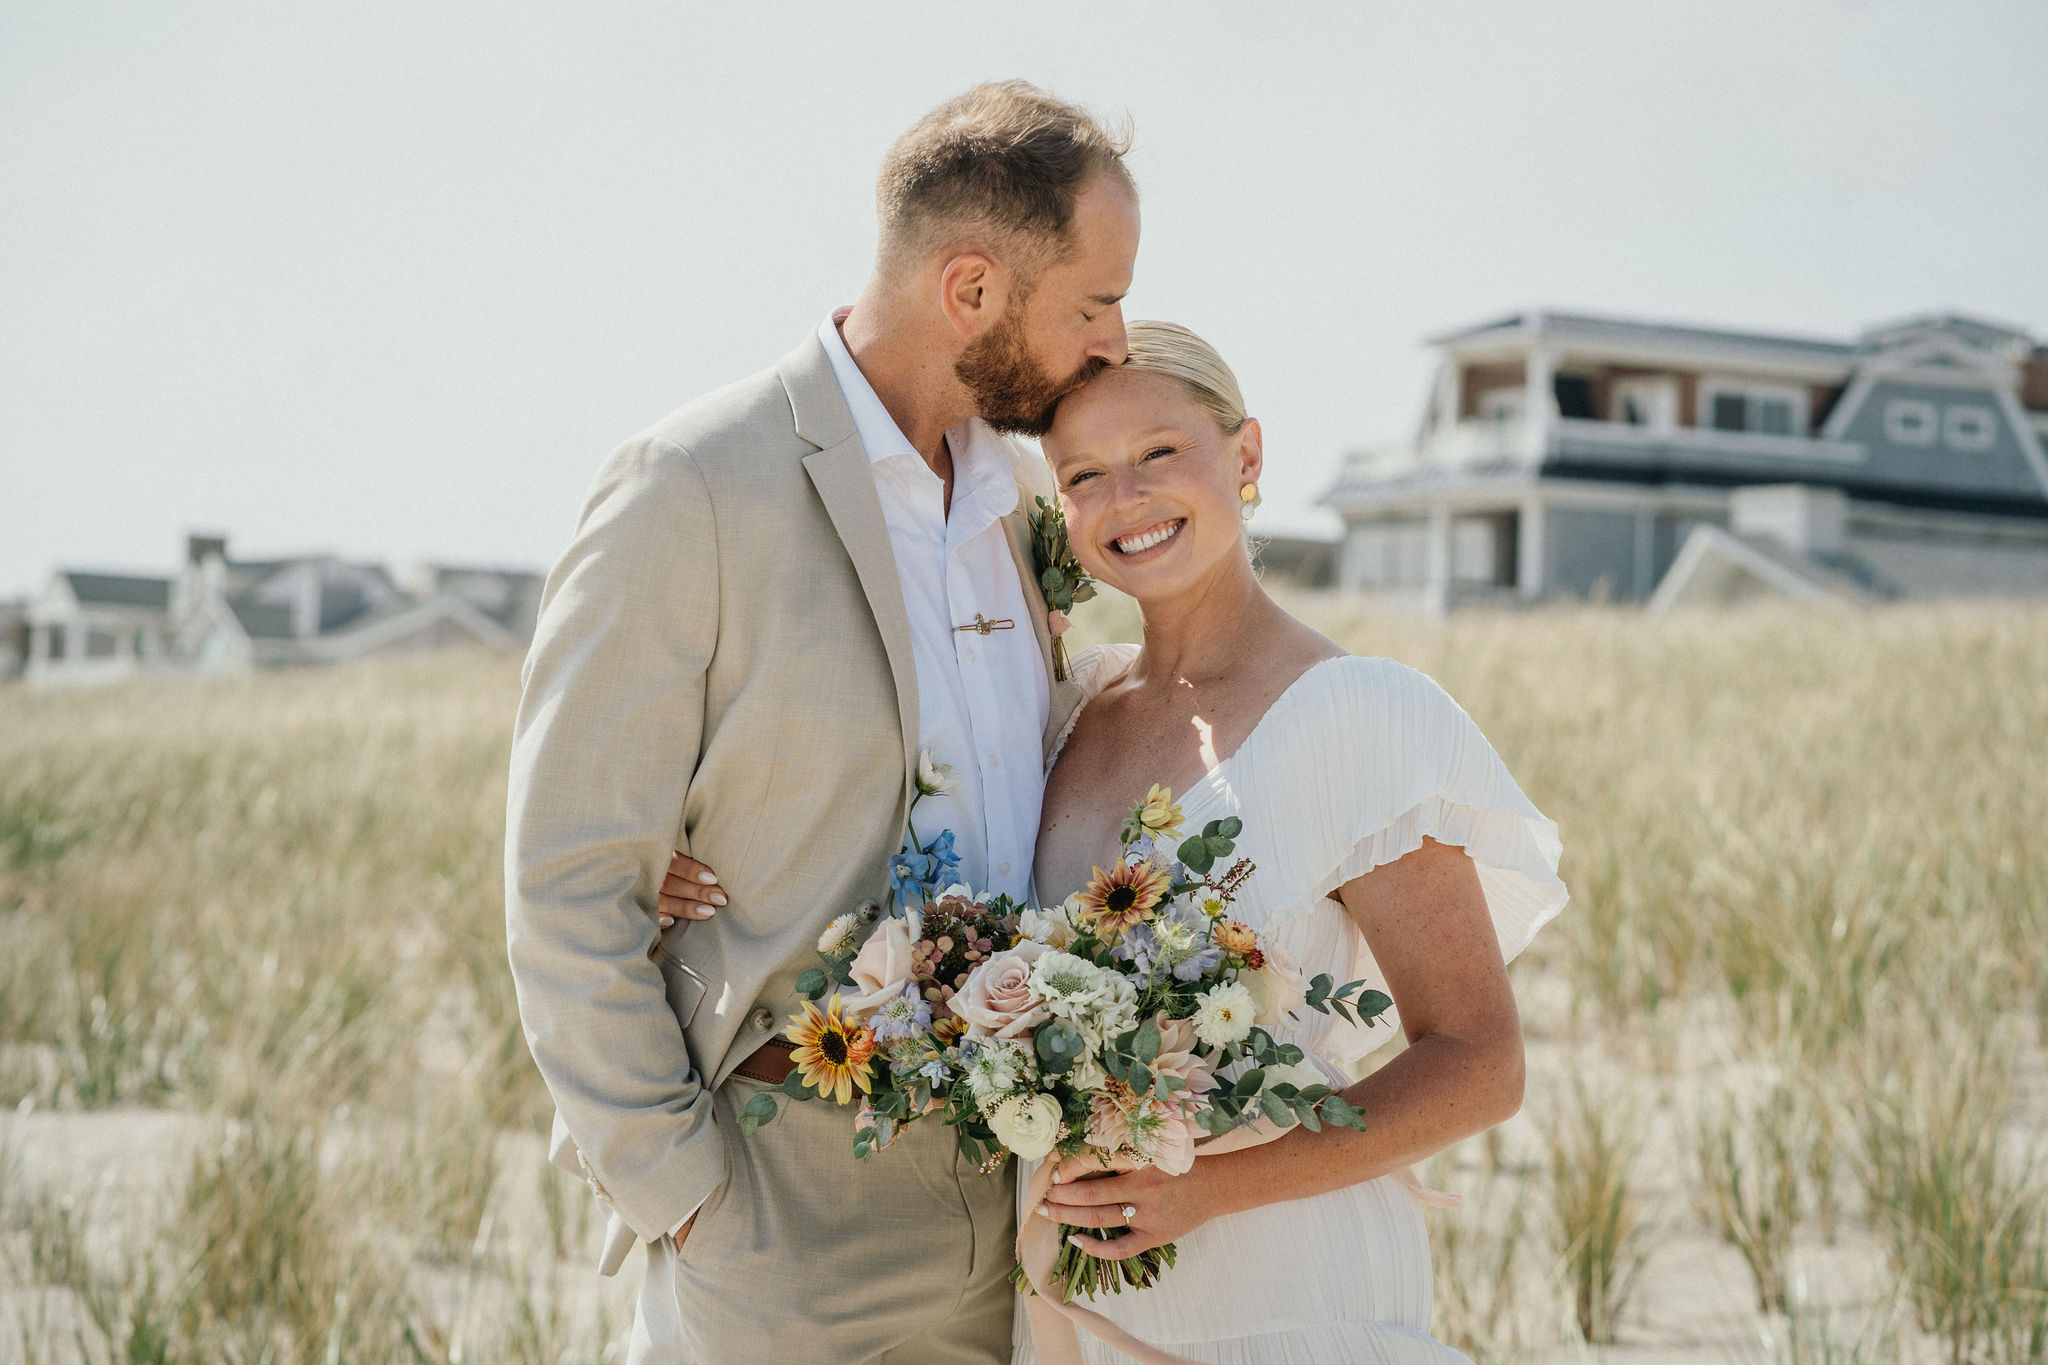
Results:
689 891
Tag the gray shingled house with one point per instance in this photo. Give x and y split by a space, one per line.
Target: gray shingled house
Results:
224 615
1566 455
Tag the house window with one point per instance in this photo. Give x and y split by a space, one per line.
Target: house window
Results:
1965 426
1645 403
1909 422
1766 409
1574 393
1500 406
101 644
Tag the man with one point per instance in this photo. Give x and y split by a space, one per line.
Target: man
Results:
775 598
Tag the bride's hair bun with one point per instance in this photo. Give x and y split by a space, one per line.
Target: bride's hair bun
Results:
1172 351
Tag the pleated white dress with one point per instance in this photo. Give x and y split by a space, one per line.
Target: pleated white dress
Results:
1352 767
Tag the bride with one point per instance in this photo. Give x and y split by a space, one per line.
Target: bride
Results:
1390 844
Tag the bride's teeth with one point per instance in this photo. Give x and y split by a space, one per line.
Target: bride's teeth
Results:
1139 544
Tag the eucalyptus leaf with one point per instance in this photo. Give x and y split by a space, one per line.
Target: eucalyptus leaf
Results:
1146 1046
812 984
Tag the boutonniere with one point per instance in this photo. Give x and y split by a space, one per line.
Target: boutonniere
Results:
1061 578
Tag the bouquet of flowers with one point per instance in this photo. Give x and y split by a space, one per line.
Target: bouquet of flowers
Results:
1119 1026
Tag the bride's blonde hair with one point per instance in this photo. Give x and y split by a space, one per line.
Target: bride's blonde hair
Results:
1173 352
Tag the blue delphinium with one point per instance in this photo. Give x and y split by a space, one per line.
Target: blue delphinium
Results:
915 874
945 861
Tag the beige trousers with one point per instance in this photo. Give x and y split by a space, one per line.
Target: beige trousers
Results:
808 1253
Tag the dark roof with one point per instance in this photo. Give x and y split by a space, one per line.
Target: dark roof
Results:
119 590
1627 331
262 620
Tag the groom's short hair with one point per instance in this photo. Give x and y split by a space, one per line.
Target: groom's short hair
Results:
1006 160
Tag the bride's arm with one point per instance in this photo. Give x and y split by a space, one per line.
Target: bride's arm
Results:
1425 918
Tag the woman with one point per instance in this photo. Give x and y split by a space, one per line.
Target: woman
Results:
1390 844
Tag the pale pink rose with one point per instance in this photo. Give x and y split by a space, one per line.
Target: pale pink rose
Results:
997 1000
1056 621
882 967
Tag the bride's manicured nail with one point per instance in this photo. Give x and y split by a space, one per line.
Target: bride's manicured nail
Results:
1044 1212
708 878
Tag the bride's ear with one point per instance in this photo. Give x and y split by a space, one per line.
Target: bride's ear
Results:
1251 451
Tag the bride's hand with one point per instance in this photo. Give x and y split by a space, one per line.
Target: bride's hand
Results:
1163 1208
689 891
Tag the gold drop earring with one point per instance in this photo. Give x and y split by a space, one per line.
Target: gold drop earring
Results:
1249 496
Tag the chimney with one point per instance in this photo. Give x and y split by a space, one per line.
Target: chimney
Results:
1800 517
197 548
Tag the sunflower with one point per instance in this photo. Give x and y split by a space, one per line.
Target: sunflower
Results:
832 1051
1121 897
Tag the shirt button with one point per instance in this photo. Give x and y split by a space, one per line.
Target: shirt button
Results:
970 656
869 912
994 762
1003 868
761 1019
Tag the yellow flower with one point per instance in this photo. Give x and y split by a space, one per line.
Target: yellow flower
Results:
1158 813
1123 896
832 1051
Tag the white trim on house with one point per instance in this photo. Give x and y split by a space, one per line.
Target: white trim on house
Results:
1956 437
1911 422
1974 372
1707 543
1713 441
2031 435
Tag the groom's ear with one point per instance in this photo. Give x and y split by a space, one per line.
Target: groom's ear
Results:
974 289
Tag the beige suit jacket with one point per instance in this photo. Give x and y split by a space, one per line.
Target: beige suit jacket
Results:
723 666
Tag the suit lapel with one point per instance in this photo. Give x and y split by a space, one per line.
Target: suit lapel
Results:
1065 696
840 472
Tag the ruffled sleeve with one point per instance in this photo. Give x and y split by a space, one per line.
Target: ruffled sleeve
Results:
1372 758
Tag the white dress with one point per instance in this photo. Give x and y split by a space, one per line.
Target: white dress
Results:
1352 767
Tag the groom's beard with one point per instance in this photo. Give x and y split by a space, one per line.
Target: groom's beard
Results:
1012 392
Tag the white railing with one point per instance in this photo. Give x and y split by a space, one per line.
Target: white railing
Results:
1706 441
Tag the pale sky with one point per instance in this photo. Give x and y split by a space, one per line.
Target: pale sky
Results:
390 279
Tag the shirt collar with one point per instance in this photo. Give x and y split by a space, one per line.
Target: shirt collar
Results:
981 456
878 432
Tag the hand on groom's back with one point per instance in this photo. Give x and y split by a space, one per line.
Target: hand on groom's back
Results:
689 891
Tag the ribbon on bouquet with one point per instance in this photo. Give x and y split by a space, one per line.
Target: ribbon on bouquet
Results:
1054 1320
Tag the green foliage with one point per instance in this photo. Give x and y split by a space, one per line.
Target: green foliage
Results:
1199 852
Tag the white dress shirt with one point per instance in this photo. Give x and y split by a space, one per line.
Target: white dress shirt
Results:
982 700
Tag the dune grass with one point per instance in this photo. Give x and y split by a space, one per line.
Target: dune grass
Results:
1798 844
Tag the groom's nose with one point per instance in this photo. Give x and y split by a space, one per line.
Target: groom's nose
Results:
1112 345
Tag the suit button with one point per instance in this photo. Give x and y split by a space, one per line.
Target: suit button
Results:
869 912
761 1019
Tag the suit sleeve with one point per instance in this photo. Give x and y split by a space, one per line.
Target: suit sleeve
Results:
603 753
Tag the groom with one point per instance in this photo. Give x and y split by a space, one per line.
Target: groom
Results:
774 599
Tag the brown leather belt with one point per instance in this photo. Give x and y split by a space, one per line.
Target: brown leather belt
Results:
771 1063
